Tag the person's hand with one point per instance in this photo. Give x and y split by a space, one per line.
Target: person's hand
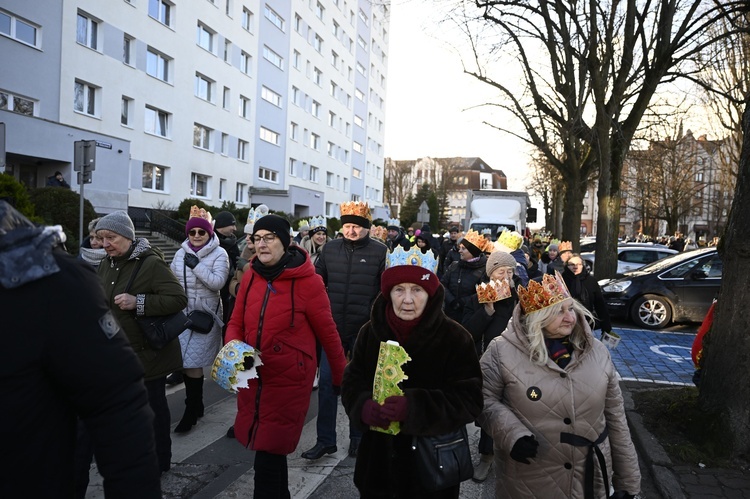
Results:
489 308
125 301
524 448
395 408
191 260
371 415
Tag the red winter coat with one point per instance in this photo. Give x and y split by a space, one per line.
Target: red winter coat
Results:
282 319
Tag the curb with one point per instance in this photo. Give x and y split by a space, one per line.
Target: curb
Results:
651 451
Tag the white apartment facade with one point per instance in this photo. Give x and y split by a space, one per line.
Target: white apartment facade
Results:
277 102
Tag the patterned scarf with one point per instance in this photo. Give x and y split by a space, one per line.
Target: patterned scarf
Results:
560 350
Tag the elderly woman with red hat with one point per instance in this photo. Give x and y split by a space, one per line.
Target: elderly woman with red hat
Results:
441 389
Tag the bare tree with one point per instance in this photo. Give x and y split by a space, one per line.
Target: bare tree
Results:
546 183
589 71
398 182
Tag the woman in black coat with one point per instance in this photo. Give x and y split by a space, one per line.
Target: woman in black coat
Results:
584 288
461 278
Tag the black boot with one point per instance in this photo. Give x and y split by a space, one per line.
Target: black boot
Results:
193 404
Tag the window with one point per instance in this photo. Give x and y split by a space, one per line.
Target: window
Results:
293 131
269 136
205 38
358 121
222 188
266 174
18 29
273 57
314 174
244 107
359 94
85 98
331 149
699 177
297 97
293 167
361 42
357 147
318 42
361 69
204 88
297 23
329 179
329 209
153 177
270 96
346 185
318 76
225 98
335 29
227 51
363 16
157 65
356 173
156 122
227 11
202 136
334 89
314 141
87 31
315 109
247 19
240 193
126 110
242 149
272 16
127 49
297 59
224 148
245 62
160 10
198 185
331 118
334 59
10 102
319 10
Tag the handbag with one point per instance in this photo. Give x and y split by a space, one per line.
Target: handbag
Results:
200 321
159 330
443 461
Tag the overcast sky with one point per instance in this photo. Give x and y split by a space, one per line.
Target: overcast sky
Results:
427 96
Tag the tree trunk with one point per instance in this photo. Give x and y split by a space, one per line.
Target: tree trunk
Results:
725 383
572 207
609 199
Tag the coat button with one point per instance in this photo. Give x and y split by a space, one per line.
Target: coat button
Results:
276 348
563 375
567 421
568 466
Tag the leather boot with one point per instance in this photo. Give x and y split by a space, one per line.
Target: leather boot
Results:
193 404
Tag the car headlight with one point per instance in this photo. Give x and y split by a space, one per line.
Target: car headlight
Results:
617 287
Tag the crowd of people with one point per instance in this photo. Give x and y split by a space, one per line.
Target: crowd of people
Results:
493 333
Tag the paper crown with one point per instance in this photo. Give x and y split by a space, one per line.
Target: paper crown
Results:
379 233
413 257
510 239
565 246
538 296
254 215
316 222
228 369
492 291
200 212
356 208
303 223
478 240
394 222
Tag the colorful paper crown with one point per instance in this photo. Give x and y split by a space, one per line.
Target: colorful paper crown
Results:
316 222
379 233
510 239
253 216
565 246
200 212
394 222
356 208
478 240
412 257
538 296
229 370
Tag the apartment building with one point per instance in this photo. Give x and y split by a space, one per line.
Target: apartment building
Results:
278 102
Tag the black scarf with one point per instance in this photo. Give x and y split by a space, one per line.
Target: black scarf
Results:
291 258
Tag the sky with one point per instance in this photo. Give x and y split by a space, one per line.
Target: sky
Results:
429 98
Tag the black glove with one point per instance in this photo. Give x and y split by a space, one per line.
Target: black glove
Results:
524 448
337 390
248 362
191 260
621 494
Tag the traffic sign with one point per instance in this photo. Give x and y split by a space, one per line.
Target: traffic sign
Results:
84 155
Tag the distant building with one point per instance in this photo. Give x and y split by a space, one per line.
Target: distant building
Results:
279 103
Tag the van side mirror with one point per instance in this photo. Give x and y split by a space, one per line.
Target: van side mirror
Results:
530 215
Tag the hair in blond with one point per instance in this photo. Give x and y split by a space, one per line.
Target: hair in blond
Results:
92 224
535 323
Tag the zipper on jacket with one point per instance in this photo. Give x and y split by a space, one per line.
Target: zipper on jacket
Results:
256 418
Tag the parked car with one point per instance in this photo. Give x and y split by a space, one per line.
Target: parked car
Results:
588 244
679 288
631 256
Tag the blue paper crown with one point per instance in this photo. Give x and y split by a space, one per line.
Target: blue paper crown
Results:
413 257
317 222
394 222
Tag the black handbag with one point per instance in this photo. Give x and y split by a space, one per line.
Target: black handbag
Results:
443 461
200 321
159 330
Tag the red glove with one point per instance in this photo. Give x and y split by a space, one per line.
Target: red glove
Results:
394 408
371 415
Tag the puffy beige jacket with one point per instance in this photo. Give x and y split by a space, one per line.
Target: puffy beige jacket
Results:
523 398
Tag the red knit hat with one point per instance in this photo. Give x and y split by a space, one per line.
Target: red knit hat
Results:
409 273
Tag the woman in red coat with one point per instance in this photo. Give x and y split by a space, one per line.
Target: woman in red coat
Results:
281 308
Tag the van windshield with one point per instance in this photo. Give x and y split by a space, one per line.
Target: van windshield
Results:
494 228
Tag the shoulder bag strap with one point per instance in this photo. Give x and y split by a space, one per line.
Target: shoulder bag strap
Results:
135 273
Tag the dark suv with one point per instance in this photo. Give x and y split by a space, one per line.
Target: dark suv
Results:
678 288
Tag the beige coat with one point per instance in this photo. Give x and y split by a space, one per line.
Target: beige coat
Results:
582 399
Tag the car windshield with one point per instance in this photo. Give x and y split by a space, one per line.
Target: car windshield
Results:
668 262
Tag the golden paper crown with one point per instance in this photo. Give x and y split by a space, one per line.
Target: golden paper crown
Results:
564 246
199 212
538 296
510 239
492 291
356 208
478 240
379 233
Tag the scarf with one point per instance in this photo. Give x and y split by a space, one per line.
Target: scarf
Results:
93 256
401 329
560 350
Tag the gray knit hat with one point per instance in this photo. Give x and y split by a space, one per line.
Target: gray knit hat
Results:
118 222
499 259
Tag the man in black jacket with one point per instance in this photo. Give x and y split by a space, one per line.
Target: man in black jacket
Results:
64 357
351 268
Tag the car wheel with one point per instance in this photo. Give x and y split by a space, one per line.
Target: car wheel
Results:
589 265
651 312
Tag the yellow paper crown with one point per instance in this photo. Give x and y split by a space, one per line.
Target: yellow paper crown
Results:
379 233
510 239
478 240
538 296
356 208
200 212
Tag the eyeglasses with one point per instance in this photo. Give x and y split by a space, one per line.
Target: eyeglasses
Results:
575 265
267 238
197 232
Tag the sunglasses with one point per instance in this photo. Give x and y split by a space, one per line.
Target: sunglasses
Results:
197 232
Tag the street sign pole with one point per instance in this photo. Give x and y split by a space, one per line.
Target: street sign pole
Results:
84 162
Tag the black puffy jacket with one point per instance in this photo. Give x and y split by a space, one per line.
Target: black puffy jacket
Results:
460 280
351 271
